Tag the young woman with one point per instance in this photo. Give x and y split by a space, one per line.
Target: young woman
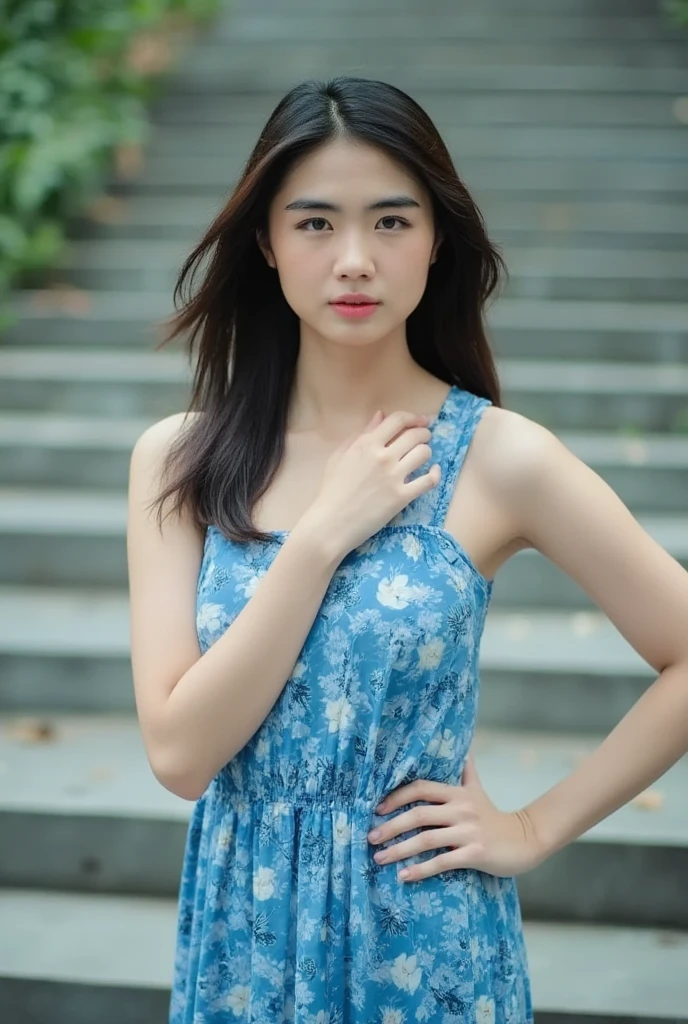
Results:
306 624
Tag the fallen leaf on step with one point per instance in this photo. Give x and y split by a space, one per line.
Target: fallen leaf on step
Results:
107 210
635 452
149 54
529 757
518 626
680 109
33 730
558 216
585 623
649 800
128 159
64 298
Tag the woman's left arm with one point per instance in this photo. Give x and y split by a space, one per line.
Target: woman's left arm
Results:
566 511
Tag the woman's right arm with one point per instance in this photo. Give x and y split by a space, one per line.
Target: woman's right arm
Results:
195 712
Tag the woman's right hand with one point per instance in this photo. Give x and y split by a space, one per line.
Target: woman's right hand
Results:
363 484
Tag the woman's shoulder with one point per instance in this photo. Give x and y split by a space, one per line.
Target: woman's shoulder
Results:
508 447
162 433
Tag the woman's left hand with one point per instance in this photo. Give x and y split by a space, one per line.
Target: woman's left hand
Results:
464 818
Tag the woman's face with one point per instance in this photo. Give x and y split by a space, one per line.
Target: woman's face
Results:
323 252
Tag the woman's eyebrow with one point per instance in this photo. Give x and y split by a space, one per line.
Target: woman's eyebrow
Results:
388 203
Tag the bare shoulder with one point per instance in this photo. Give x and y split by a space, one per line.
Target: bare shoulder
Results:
147 465
511 456
163 433
511 447
153 445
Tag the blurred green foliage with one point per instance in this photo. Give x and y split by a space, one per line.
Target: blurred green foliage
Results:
75 80
678 10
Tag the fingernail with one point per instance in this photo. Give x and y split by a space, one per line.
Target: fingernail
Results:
374 834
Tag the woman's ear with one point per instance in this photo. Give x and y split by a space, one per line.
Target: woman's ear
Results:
436 246
264 248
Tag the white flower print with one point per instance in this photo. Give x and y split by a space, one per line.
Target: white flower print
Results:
248 589
224 838
444 746
340 714
392 1016
212 617
444 430
264 883
394 592
405 972
342 830
238 999
263 747
485 1010
430 654
412 546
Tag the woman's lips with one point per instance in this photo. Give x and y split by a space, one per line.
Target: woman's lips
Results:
355 311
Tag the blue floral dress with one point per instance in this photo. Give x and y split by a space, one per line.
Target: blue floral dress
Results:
284 915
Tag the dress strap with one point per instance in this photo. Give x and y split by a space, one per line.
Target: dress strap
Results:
452 435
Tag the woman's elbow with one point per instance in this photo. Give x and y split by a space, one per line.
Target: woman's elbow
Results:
172 777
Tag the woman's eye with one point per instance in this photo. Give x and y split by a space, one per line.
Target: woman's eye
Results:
313 220
321 220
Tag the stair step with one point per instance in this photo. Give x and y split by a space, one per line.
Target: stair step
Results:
77 957
232 56
185 175
471 143
452 76
93 310
69 649
624 10
38 305
43 454
632 976
560 394
473 108
81 810
441 26
76 537
90 957
538 271
528 261
156 219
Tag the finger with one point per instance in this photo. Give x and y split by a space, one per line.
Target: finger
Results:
464 857
373 422
432 839
376 418
421 789
424 816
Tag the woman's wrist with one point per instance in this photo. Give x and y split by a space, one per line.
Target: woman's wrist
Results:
320 538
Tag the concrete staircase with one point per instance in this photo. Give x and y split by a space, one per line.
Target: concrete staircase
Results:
569 122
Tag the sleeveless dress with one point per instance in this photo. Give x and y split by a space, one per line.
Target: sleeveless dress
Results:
284 915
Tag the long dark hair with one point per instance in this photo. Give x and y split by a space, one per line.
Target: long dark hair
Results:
248 336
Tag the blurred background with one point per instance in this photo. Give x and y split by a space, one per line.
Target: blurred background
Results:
122 126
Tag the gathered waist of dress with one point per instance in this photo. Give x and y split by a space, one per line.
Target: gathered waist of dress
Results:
340 791
336 788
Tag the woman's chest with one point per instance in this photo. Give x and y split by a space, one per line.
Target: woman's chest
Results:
405 582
